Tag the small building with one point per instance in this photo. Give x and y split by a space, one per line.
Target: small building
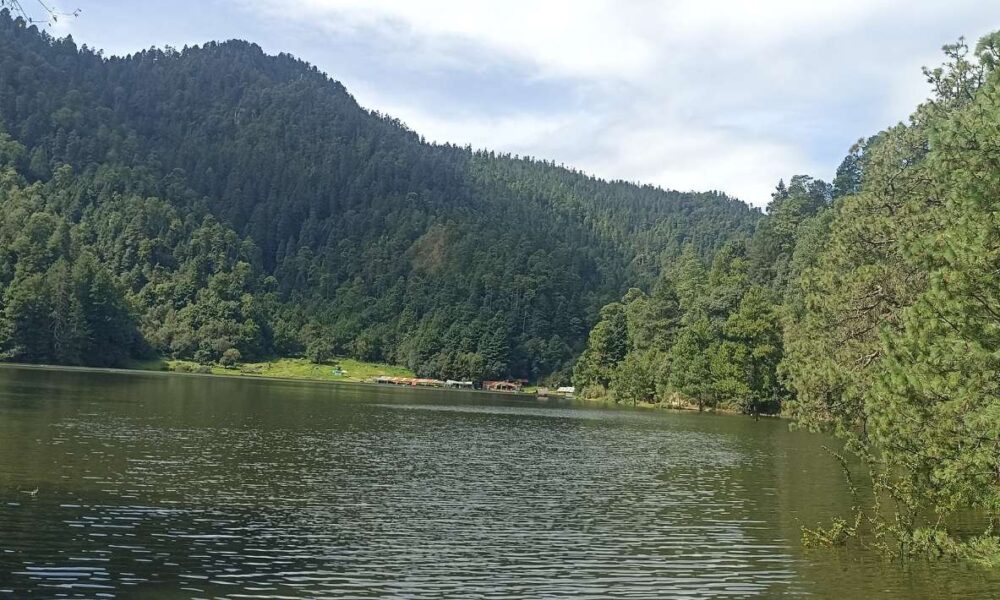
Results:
503 386
566 390
462 385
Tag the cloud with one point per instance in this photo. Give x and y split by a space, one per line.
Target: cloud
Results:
689 94
518 133
559 36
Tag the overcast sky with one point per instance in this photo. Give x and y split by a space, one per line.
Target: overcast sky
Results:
686 94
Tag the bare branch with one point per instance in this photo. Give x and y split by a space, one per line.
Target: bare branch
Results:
46 14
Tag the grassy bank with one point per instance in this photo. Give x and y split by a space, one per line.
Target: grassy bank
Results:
350 370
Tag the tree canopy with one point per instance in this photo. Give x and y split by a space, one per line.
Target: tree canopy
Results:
243 201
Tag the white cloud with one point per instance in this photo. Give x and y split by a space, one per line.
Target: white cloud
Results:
688 94
560 36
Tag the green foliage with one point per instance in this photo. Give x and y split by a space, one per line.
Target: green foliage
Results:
691 361
744 366
892 337
839 533
125 273
319 350
634 379
245 201
607 345
937 413
59 302
230 358
774 241
717 345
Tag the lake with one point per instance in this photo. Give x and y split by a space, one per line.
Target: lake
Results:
182 486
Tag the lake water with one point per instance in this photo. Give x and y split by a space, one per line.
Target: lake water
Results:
171 486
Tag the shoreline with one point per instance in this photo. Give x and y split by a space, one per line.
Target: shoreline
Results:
255 377
222 373
676 406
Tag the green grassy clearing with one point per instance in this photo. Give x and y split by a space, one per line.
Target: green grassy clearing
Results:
285 368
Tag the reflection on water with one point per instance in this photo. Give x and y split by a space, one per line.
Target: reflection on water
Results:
154 486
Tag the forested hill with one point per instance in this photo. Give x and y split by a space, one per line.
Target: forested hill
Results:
219 202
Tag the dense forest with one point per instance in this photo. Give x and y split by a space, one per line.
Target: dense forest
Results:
869 307
218 204
710 333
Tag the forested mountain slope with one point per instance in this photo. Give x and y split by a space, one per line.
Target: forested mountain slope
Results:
234 201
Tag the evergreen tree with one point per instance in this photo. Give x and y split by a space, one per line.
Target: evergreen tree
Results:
691 361
607 345
745 364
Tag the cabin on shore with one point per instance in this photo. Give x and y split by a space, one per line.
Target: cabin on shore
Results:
460 385
511 385
410 381
566 390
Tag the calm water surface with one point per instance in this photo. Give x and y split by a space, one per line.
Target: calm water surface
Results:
170 486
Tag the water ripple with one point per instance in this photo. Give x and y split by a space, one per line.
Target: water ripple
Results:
144 496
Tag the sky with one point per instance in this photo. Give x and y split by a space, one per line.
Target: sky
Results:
728 95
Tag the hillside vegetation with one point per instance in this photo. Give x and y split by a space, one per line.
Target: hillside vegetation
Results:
216 199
